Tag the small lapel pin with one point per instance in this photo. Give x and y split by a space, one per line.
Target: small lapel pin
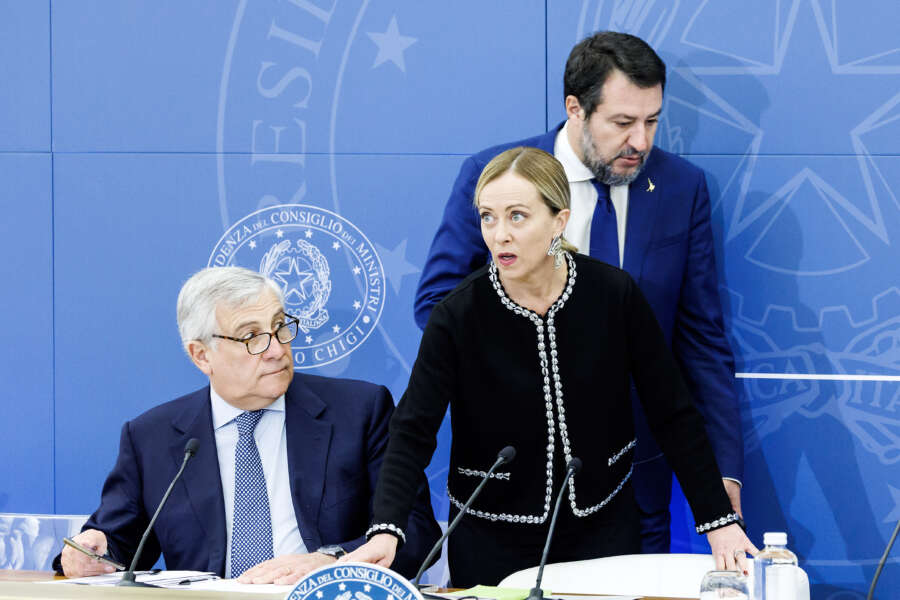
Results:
650 186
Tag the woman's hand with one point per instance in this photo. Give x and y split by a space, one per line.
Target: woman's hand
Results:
729 547
379 550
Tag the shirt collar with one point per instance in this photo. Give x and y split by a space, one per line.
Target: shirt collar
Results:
224 413
562 149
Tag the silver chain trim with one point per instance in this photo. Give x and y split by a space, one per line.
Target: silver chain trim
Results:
534 519
615 457
720 522
557 393
548 396
592 509
386 528
482 474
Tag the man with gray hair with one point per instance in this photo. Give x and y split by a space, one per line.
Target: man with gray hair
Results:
286 466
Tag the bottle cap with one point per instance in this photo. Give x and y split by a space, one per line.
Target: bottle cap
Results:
775 538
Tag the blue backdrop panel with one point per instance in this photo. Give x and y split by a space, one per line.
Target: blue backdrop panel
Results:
139 75
810 286
375 77
26 319
279 77
25 75
450 82
813 234
129 232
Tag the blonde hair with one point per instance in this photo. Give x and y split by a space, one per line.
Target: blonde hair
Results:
537 167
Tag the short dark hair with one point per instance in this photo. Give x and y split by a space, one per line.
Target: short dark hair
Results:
594 58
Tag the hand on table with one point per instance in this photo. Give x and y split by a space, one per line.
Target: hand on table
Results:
380 550
729 547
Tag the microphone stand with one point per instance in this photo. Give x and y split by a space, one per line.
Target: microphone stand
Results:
536 592
128 579
506 455
882 561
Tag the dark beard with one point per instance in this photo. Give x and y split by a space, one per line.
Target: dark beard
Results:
603 170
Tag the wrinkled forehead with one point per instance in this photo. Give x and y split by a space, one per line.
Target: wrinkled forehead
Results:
261 310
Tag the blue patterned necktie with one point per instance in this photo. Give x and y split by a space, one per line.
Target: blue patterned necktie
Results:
604 229
251 532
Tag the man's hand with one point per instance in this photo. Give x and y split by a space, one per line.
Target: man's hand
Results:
379 550
729 547
733 489
77 564
286 569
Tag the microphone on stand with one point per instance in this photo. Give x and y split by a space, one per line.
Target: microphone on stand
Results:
504 456
573 467
881 562
128 577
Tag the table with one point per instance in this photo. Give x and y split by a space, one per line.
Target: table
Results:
18 585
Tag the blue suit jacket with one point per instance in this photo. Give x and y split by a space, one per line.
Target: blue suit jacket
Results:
337 432
668 252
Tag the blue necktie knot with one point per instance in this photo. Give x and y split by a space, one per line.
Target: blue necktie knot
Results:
247 421
603 195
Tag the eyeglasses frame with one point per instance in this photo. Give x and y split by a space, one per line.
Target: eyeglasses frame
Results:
272 334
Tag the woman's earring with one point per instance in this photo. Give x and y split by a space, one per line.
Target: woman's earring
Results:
555 250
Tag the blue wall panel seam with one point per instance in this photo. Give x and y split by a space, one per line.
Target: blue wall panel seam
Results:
52 272
546 65
430 154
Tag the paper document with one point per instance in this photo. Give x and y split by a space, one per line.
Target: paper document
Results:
232 585
495 593
172 579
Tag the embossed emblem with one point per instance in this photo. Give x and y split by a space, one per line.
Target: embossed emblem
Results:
353 581
329 272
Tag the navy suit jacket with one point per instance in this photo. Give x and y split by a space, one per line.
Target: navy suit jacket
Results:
337 432
668 252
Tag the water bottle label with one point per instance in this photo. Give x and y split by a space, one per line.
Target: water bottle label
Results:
780 583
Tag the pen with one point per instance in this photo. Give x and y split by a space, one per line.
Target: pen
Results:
88 552
189 580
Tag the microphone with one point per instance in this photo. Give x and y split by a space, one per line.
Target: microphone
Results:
128 577
504 456
573 467
883 560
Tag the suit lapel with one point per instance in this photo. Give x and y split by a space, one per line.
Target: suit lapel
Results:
308 440
644 196
547 141
201 476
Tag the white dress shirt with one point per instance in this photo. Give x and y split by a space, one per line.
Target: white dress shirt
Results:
584 198
271 440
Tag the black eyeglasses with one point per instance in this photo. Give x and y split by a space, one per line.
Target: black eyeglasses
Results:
259 343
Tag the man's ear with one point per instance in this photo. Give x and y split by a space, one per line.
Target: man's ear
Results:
573 108
199 353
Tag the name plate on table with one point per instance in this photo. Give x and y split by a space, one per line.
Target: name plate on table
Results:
354 581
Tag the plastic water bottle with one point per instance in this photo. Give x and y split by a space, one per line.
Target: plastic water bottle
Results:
773 577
